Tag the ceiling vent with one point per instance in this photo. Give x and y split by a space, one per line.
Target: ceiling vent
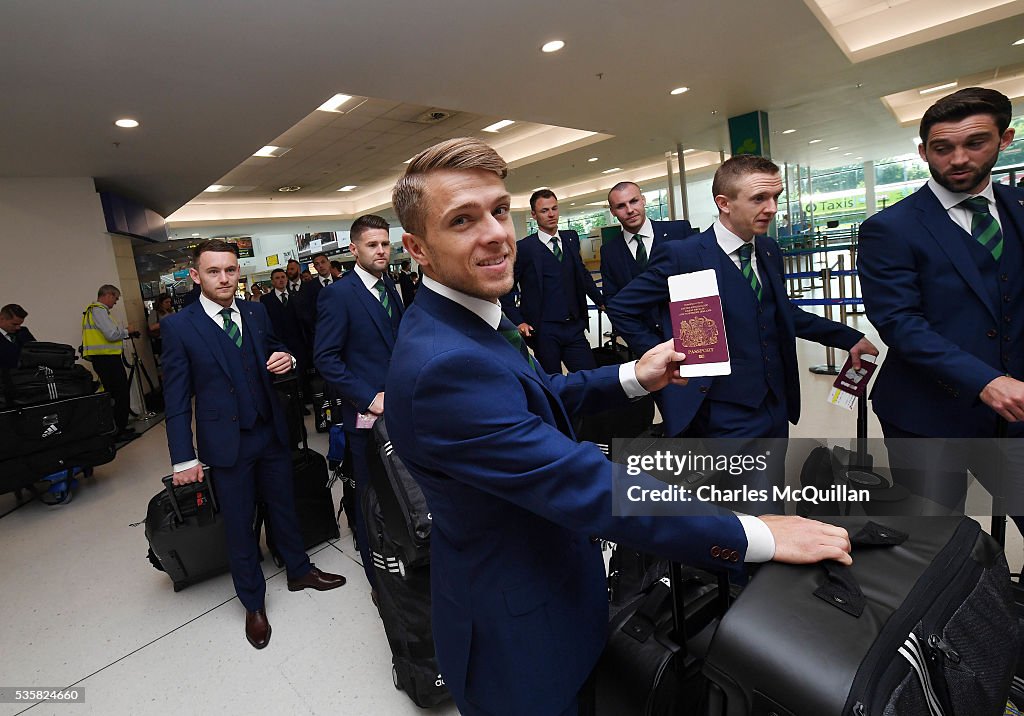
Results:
433 116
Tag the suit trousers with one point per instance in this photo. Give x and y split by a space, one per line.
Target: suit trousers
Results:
555 343
111 373
362 445
263 469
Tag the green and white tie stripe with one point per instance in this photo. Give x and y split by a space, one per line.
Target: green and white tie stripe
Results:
555 248
748 269
984 227
382 292
230 328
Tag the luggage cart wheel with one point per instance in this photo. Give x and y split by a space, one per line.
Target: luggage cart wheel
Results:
394 677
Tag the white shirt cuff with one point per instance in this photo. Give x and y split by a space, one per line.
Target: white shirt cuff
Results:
179 466
760 543
627 377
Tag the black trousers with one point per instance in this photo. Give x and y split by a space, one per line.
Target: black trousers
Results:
111 372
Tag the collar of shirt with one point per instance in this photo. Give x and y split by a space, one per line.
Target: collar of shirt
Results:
368 279
545 238
280 294
489 312
213 310
960 215
730 243
320 279
4 334
647 231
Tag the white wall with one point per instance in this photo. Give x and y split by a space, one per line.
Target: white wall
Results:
54 253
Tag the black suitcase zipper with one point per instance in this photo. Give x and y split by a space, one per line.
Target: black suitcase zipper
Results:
865 698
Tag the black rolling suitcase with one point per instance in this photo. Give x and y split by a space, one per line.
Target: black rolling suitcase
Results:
326 406
921 624
186 532
52 425
403 599
41 384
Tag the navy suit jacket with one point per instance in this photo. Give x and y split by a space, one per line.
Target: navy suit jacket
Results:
194 364
284 320
306 308
925 295
354 341
9 352
649 290
520 605
529 280
619 266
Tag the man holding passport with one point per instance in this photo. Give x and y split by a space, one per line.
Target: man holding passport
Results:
762 392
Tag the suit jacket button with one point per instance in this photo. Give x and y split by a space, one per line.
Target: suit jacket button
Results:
734 557
234 418
991 333
716 551
703 389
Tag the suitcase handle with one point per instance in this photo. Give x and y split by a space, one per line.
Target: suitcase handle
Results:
841 590
169 487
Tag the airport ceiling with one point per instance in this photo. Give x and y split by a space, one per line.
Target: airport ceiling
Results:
211 83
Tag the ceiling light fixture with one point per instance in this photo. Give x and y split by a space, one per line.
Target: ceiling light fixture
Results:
218 187
127 123
680 90
349 187
687 151
334 103
593 159
814 141
553 46
788 131
271 151
937 88
498 126
847 154
1019 42
832 149
289 189
613 169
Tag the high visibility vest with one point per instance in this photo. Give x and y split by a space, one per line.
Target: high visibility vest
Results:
94 343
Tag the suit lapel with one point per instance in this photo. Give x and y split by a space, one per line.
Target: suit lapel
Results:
209 332
950 239
372 306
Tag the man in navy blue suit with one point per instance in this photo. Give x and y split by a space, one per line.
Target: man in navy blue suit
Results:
280 305
519 595
761 396
13 334
221 351
355 335
942 280
548 297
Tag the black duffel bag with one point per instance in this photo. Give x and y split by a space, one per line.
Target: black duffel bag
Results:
31 386
402 504
58 356
46 427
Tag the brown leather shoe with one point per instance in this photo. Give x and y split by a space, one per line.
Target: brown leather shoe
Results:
316 579
257 628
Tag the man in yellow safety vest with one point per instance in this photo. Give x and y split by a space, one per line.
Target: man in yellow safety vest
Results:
101 344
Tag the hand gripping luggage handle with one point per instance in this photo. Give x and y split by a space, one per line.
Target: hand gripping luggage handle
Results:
842 590
169 487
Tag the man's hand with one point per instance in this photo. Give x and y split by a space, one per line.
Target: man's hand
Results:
660 366
130 328
862 347
525 329
1005 395
279 363
192 474
377 406
802 541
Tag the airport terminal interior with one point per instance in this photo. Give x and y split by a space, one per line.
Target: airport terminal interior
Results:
131 132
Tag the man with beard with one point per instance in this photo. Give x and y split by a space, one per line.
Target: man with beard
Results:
942 281
294 273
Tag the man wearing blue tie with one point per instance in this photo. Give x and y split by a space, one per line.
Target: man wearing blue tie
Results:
519 595
221 351
548 297
358 319
942 277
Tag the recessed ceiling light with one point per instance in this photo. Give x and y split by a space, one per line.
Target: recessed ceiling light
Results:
680 90
218 187
271 151
937 88
593 159
334 103
814 141
553 46
613 169
288 189
847 154
788 131
1019 42
127 123
832 149
687 151
195 234
349 187
572 204
497 126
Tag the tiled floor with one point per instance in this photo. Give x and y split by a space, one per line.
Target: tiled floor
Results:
80 605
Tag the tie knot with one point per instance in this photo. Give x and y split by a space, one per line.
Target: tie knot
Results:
379 285
638 238
745 251
977 204
225 313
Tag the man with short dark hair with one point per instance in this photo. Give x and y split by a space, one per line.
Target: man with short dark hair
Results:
337 270
101 345
518 586
406 284
762 395
280 305
357 323
625 257
942 281
548 297
13 334
306 307
222 351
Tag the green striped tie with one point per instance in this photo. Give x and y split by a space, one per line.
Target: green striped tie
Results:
383 293
641 251
555 249
984 227
510 333
748 269
230 328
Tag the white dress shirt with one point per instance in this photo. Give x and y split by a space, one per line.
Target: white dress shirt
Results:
730 243
545 238
961 215
370 281
646 231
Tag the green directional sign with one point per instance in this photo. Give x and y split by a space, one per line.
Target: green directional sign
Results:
748 134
